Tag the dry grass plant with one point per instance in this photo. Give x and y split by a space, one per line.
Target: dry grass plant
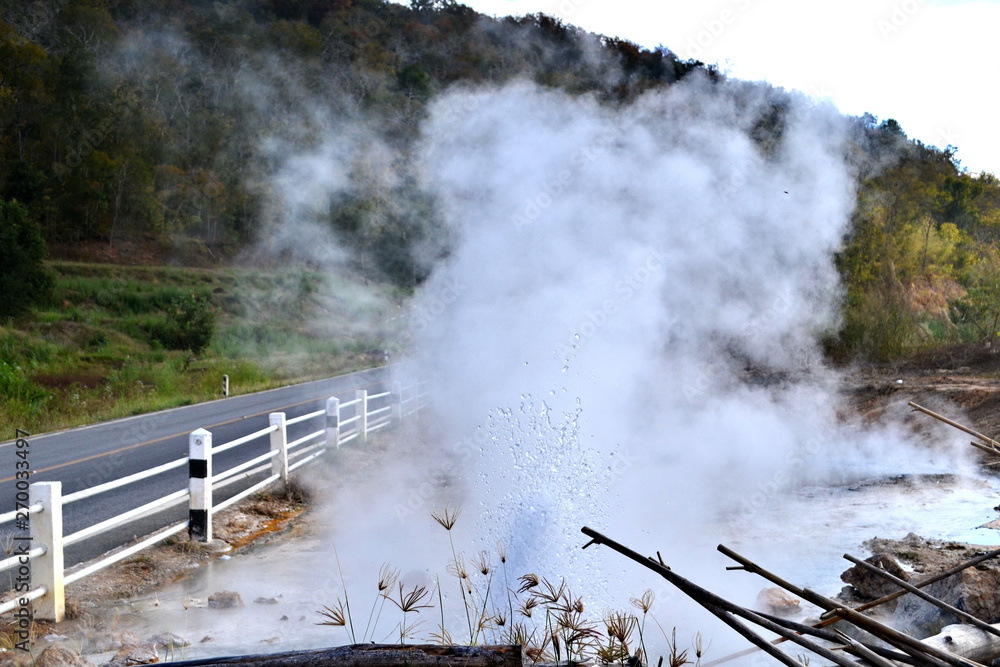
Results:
542 616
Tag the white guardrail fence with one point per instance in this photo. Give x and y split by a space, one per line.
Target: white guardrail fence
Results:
39 571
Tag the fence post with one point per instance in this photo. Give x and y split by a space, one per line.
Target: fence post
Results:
200 485
397 402
47 569
362 411
333 422
279 443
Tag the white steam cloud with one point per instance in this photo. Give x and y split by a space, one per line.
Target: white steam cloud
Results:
625 335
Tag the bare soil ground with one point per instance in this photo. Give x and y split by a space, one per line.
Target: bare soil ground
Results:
258 518
962 384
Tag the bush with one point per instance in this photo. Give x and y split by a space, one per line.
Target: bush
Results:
878 326
189 325
24 281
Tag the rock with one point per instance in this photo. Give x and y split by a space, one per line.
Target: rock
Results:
263 600
225 600
57 656
102 643
776 601
168 641
975 590
207 639
134 655
870 585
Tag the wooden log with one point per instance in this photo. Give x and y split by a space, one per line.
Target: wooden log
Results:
377 655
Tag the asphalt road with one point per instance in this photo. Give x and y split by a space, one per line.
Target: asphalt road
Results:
85 457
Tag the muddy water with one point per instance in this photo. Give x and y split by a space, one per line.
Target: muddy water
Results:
284 582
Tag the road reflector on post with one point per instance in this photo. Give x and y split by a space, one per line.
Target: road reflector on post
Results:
200 485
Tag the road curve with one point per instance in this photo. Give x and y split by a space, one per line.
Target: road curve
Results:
87 456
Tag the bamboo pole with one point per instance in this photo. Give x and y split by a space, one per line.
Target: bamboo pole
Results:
954 611
833 637
902 641
828 619
723 608
932 579
994 446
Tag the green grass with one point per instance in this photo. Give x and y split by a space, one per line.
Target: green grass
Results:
94 353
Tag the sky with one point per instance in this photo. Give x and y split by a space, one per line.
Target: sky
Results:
930 64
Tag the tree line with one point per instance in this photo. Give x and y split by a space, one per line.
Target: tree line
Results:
150 119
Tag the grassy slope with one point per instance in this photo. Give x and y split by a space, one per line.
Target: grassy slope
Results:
90 356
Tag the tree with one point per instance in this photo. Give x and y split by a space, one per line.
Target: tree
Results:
24 281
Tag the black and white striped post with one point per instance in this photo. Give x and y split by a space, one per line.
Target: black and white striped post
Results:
333 422
200 486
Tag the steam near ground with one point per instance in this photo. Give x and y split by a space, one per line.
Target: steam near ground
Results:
616 274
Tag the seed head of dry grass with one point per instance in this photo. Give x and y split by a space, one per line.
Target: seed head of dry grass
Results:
482 562
411 601
387 577
457 568
528 581
645 602
448 517
620 626
337 616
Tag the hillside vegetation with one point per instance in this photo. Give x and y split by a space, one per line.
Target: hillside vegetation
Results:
159 132
111 343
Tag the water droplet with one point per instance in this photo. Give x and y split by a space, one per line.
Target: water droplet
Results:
576 336
565 368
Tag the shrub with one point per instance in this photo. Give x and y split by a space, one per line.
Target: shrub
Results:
189 325
24 281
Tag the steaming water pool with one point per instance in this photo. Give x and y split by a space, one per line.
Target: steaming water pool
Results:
294 578
831 521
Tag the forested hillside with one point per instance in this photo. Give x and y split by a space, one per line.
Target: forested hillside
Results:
169 123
